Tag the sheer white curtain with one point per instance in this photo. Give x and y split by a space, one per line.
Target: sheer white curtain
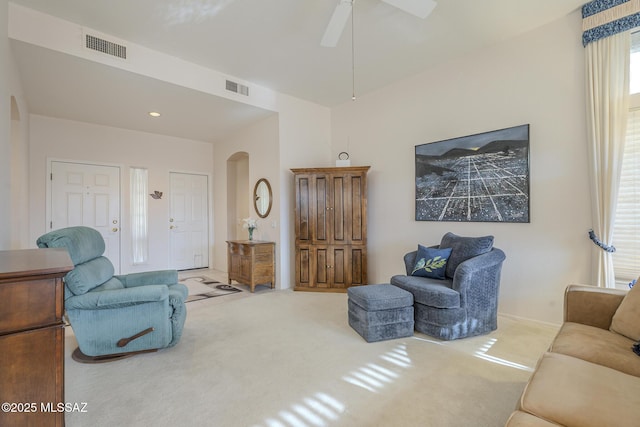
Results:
139 215
607 76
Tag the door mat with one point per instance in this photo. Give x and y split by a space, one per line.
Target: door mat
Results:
203 287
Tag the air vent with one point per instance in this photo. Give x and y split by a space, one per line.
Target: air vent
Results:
237 88
105 46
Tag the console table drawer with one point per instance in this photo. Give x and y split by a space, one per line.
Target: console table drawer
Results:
27 304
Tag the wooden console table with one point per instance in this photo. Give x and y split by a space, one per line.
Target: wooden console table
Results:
251 262
32 335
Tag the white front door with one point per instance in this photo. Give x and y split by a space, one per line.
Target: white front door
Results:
89 195
189 221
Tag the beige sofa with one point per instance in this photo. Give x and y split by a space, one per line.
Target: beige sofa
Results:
590 377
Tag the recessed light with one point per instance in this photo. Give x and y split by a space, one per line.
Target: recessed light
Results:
154 114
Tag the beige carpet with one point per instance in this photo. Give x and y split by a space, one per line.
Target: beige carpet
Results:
289 359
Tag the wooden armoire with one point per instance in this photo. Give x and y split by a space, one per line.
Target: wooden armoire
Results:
331 228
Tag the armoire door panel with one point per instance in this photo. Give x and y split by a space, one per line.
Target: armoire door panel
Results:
338 204
358 266
303 209
339 267
321 277
357 210
321 213
303 267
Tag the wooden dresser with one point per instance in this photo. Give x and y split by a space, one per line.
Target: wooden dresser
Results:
251 262
32 336
331 228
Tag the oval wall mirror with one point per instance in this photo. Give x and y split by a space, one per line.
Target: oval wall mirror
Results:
262 198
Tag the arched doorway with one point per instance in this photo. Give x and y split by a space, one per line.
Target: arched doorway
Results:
238 194
19 180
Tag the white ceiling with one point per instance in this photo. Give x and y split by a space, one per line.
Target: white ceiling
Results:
272 43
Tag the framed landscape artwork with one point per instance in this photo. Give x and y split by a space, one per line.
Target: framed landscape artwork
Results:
476 178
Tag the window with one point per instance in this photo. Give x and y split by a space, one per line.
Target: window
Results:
626 235
634 60
139 216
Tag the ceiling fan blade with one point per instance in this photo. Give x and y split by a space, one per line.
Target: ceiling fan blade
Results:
337 23
419 8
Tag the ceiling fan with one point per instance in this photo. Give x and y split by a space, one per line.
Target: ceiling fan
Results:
419 8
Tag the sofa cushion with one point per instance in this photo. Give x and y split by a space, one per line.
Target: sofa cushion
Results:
522 419
626 320
89 275
431 292
431 262
464 248
379 297
572 392
598 346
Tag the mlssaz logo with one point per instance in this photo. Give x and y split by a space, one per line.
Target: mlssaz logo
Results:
63 407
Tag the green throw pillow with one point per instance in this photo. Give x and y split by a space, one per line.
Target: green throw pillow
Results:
431 262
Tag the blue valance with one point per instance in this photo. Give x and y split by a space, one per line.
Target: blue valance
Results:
604 18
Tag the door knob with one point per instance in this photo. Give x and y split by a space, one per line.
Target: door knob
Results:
114 229
172 227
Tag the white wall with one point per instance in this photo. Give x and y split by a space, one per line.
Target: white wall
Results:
14 176
83 142
305 141
5 129
260 142
538 79
299 136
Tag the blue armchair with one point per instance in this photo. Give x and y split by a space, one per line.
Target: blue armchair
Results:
464 302
116 316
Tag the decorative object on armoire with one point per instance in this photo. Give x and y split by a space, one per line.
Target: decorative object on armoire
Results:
330 228
476 178
115 316
32 335
250 224
251 262
343 160
156 195
262 197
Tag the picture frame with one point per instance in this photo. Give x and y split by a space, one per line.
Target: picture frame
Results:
475 178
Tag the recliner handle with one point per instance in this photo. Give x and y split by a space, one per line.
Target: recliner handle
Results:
124 341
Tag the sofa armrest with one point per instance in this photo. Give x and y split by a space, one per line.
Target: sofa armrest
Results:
480 271
590 305
117 298
158 277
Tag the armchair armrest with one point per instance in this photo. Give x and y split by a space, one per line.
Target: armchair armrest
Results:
482 269
116 298
160 277
591 305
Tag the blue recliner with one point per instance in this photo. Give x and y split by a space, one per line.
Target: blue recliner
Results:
116 316
464 301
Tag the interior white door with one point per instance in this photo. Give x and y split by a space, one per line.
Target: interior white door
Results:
189 221
89 195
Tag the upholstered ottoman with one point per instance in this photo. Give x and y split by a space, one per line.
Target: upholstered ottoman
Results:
380 312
